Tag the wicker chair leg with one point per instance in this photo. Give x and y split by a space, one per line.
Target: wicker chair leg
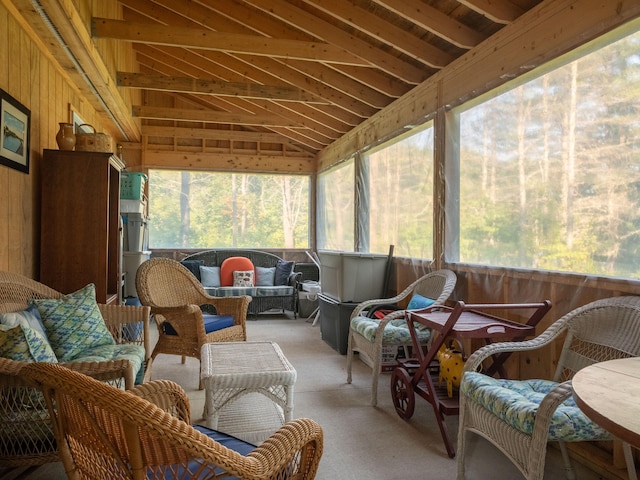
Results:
570 472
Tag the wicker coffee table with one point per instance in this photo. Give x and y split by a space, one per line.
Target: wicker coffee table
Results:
232 370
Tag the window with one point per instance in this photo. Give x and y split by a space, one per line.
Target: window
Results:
205 210
550 170
400 195
336 200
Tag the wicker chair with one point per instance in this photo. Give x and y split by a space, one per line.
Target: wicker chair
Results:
176 297
26 438
104 432
437 286
601 330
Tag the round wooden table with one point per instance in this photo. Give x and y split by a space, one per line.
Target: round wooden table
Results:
609 394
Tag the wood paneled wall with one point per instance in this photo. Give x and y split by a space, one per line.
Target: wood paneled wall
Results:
29 74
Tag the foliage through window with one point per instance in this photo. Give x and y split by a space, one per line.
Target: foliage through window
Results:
336 214
400 178
550 170
207 210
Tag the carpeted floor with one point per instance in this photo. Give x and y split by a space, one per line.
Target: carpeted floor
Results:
361 442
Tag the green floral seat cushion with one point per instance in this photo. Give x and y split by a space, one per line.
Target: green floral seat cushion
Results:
395 332
74 323
24 344
516 402
126 351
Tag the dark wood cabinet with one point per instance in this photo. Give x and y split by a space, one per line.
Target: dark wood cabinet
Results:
80 238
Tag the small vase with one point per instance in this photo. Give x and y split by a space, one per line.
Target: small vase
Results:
65 137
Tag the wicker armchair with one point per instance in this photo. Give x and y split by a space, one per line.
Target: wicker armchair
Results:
104 432
176 297
437 286
507 413
26 438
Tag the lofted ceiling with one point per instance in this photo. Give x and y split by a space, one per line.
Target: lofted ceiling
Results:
271 81
287 76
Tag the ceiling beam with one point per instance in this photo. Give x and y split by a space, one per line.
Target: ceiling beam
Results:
385 32
307 22
499 11
214 134
327 123
208 116
214 87
435 21
243 18
341 90
228 161
223 42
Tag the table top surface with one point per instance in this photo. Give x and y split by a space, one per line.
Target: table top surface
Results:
473 324
608 393
248 359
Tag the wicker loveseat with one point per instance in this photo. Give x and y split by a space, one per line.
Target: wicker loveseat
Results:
26 438
283 296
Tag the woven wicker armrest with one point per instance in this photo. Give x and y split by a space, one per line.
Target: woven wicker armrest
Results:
551 401
107 371
122 430
300 440
366 305
118 316
237 307
167 395
549 335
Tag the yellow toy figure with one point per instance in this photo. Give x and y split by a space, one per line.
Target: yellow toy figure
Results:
451 365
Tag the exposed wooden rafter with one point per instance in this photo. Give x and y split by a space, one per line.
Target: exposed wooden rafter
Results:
213 87
265 77
222 41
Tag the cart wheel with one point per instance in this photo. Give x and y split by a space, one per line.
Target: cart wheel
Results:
402 393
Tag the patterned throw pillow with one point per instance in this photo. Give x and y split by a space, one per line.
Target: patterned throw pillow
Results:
74 323
24 344
27 318
243 278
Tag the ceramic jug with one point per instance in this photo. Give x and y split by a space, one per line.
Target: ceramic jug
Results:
65 137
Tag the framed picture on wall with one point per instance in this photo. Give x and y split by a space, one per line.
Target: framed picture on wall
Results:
15 121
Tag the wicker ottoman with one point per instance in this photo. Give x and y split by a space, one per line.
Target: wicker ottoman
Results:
233 370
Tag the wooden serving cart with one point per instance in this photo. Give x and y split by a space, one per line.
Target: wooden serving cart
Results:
419 375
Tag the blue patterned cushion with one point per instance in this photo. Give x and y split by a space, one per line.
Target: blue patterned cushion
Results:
517 401
74 323
232 291
277 291
395 332
27 318
24 344
126 351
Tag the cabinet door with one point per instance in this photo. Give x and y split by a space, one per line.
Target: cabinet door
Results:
80 231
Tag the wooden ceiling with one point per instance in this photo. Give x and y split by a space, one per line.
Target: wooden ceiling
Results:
287 76
252 82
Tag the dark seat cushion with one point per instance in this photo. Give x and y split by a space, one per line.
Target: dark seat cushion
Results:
212 323
194 466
